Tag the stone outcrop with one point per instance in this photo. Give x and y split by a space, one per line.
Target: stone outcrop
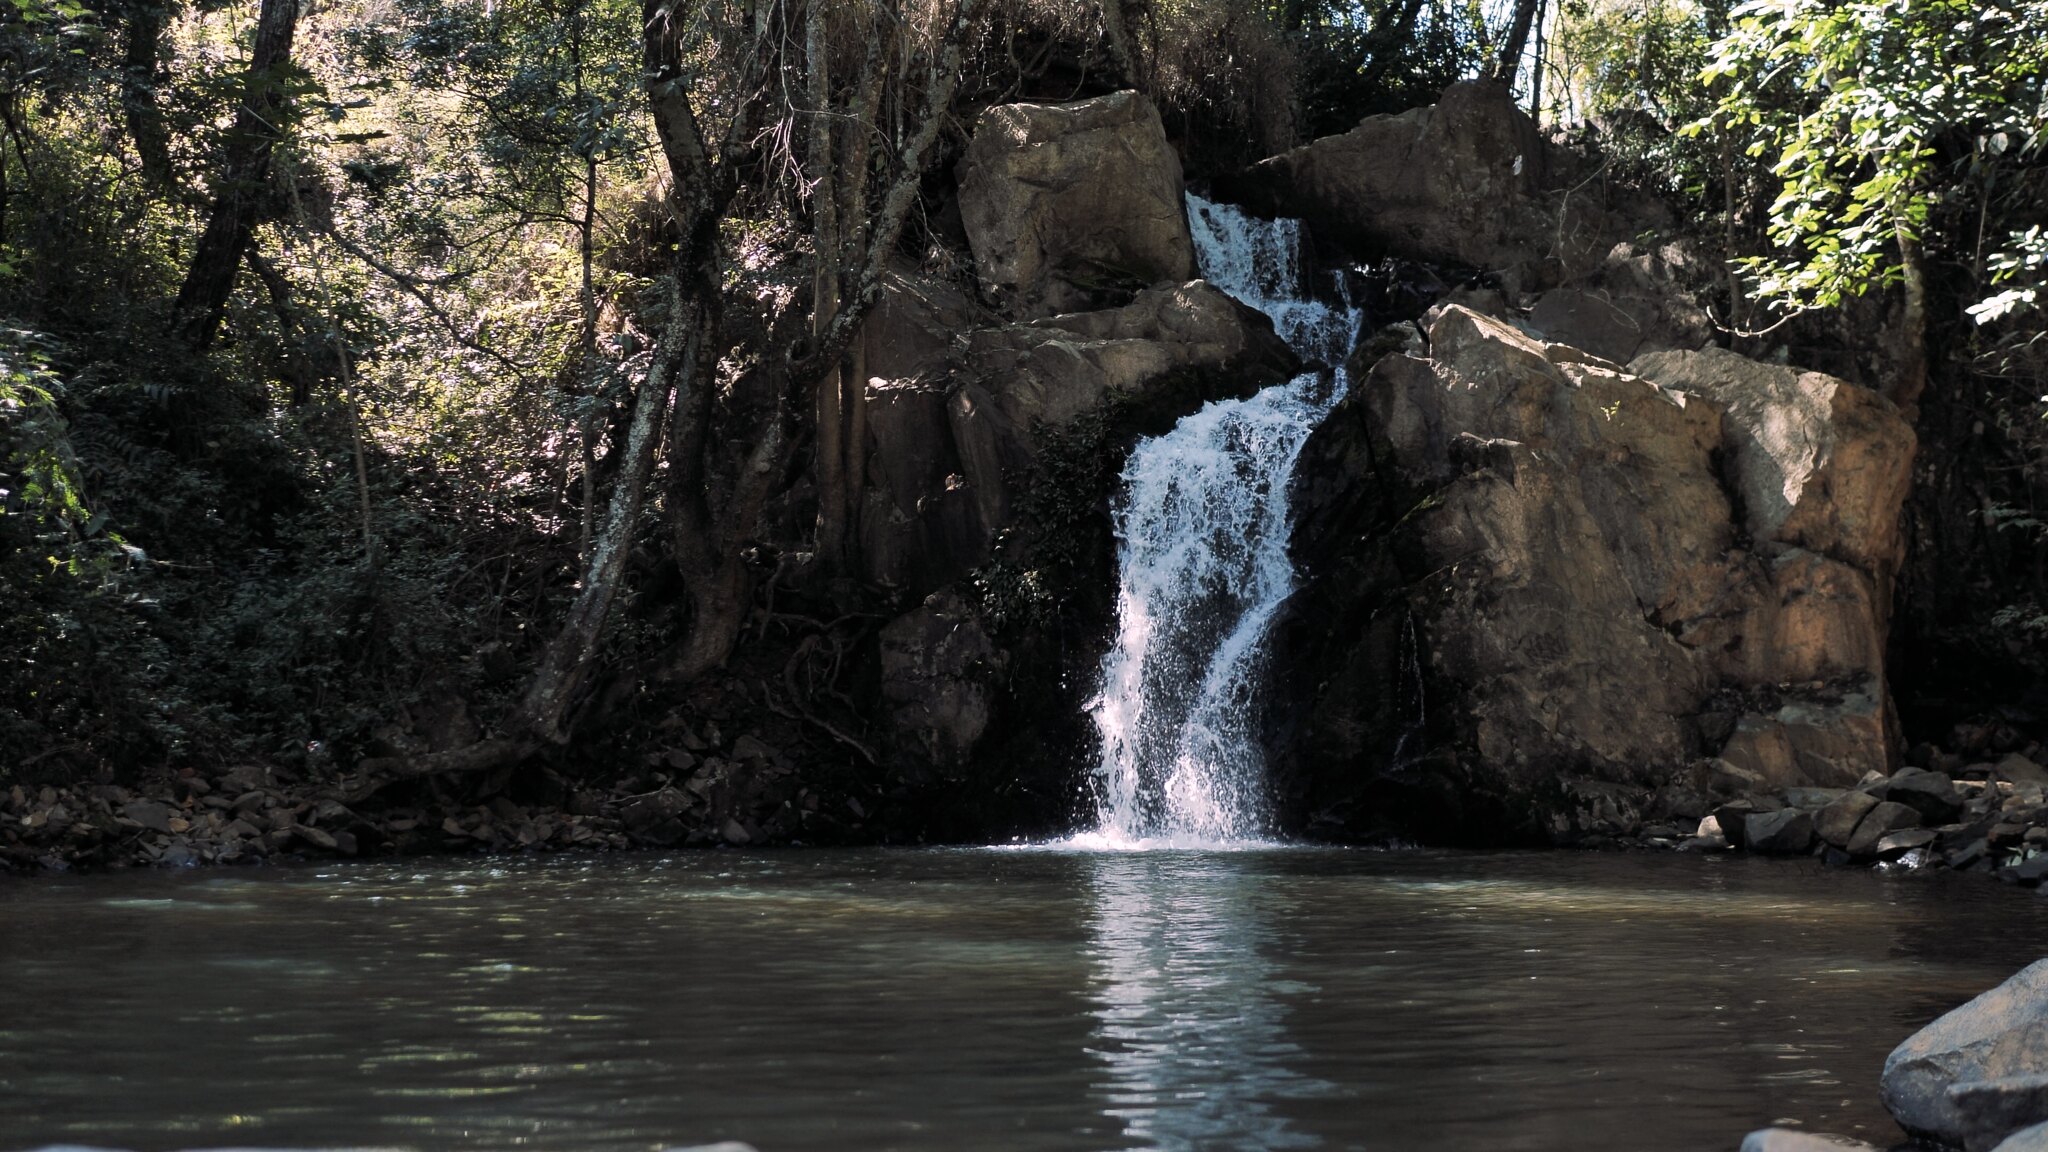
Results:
1980 1073
1454 183
1089 332
1067 204
957 426
1534 575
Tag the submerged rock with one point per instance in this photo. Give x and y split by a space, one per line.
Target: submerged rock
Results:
1978 1073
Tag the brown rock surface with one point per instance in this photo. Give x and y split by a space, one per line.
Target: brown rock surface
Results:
1064 202
1554 555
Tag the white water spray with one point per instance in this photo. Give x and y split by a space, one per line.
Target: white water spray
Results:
1202 556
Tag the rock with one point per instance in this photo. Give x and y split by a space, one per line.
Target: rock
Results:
1931 794
1837 822
1063 202
1813 799
1793 1140
1969 854
2029 872
1545 550
734 833
2020 770
1455 182
1994 1109
2034 1139
939 670
1589 321
150 814
1788 832
2001 1035
1822 464
1731 820
246 778
655 817
1883 819
949 445
748 747
1829 738
317 837
1899 843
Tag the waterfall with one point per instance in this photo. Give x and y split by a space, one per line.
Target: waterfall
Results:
1202 527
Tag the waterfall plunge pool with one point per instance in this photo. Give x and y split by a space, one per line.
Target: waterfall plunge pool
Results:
955 999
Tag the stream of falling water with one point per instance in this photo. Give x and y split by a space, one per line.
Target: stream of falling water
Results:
1202 527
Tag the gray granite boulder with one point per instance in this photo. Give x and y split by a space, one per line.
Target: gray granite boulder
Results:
1979 1073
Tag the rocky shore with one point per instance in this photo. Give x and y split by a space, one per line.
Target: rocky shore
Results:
702 789
1988 817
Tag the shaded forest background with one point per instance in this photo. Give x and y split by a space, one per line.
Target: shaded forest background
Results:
485 367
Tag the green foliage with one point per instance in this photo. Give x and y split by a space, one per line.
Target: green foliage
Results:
1858 108
1360 59
1631 68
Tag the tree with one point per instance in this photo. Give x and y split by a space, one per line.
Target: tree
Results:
1874 115
261 119
714 498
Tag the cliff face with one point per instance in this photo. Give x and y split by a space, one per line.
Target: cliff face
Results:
1532 576
999 419
1546 594
1564 562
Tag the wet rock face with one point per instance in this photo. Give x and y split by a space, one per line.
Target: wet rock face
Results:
1979 1074
1067 205
1528 568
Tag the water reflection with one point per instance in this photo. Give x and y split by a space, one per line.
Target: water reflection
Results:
1189 1022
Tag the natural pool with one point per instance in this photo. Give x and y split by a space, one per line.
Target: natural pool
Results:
956 999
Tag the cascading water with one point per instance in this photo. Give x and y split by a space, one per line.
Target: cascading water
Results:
1202 555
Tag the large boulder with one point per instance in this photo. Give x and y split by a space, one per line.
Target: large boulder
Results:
1635 300
1978 1074
1454 182
954 431
1527 568
1068 204
1820 463
2034 1139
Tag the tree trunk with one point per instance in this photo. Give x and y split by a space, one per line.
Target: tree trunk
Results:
565 664
709 542
1517 40
1390 37
1912 382
827 246
140 56
244 177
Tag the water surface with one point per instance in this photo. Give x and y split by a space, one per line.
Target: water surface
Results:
814 1000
